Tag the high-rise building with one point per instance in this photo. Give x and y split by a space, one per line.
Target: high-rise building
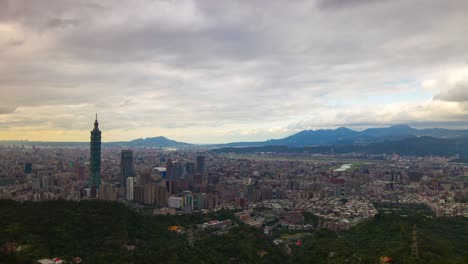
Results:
95 157
201 165
150 193
174 187
169 165
129 194
139 194
199 201
126 166
190 167
108 192
188 200
156 195
161 196
45 182
27 168
178 171
144 178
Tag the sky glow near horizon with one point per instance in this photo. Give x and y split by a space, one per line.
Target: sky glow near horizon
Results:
222 71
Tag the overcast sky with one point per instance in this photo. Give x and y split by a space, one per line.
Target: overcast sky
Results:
220 71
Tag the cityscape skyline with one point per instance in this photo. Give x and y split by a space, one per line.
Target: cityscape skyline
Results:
271 195
209 71
305 131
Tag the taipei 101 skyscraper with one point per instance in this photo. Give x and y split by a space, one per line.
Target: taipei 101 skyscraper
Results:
95 158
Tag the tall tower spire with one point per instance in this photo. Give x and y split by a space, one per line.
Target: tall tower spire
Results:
95 158
96 124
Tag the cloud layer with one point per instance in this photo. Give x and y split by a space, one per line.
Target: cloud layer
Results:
217 71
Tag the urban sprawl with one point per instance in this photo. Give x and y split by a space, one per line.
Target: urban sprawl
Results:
267 190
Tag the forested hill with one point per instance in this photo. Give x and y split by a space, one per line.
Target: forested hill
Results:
99 232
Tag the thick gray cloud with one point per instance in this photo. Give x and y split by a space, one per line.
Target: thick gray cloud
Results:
331 4
459 93
7 109
229 70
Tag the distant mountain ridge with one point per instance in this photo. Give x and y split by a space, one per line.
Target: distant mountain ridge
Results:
346 136
418 146
160 141
341 136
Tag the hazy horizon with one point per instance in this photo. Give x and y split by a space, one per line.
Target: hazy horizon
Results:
222 142
216 72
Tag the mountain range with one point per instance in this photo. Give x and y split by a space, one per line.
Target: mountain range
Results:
417 146
161 142
307 138
398 139
346 136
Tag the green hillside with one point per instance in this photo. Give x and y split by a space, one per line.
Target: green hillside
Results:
439 241
99 232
